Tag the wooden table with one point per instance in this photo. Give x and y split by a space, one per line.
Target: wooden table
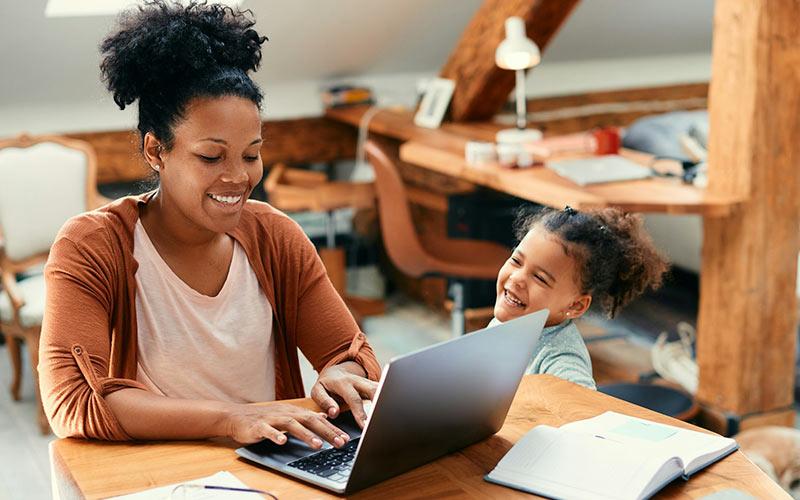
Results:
95 469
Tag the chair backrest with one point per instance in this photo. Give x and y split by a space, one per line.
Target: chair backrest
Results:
44 181
397 227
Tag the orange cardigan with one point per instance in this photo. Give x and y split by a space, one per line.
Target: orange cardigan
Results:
88 344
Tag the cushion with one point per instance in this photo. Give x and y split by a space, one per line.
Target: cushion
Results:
40 188
660 134
32 291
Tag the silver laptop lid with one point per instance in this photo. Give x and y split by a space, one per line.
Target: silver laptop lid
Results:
444 397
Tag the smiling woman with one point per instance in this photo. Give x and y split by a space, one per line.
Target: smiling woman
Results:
167 313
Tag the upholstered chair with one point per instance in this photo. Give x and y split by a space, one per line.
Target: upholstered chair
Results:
43 182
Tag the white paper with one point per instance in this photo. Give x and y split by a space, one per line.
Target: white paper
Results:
685 444
560 464
222 478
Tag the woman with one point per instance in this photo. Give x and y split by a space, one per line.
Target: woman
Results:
168 312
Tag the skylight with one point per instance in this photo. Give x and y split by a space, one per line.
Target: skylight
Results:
80 8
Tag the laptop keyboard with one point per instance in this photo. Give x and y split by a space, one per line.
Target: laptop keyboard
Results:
334 463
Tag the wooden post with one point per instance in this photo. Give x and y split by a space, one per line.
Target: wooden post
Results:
748 322
481 87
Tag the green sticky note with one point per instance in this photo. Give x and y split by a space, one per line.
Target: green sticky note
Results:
647 431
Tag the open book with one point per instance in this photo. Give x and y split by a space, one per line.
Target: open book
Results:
608 456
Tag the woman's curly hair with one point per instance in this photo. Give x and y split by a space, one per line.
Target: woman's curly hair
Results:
618 260
164 54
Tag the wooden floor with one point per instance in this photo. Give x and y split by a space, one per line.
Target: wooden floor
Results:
24 465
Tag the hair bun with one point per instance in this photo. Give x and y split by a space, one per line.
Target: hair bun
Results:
161 42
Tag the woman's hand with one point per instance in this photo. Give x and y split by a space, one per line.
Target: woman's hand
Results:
348 383
250 424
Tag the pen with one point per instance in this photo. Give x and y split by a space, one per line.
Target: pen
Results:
228 488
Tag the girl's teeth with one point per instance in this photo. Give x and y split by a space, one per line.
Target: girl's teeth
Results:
513 300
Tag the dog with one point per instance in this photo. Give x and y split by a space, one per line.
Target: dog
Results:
776 451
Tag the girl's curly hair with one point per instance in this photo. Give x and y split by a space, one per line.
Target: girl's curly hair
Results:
164 54
617 258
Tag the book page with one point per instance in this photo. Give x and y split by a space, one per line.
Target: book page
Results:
562 464
694 449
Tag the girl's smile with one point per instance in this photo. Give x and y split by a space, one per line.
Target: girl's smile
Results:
540 274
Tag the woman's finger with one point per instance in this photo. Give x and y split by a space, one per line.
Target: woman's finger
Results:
366 387
319 424
299 431
350 396
266 431
324 400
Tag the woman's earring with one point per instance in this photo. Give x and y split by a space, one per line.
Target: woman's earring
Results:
156 167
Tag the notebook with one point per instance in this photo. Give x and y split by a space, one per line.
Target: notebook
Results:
599 169
608 456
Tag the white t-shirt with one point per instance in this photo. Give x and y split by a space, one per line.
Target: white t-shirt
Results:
194 346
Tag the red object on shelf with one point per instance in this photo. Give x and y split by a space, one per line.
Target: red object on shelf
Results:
603 141
608 141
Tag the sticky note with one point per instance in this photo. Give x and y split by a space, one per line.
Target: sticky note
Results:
644 430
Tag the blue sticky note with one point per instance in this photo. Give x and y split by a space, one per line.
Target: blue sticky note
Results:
647 431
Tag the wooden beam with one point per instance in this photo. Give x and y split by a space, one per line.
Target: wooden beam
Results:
747 324
688 92
481 87
619 108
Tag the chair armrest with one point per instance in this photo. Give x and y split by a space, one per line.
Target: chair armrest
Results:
10 284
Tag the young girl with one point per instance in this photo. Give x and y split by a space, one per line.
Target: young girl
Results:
566 259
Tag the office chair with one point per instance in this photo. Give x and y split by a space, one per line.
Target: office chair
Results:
457 259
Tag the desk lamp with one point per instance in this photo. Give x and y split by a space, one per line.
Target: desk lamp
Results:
518 52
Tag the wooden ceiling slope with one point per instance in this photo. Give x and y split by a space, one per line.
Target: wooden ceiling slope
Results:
481 87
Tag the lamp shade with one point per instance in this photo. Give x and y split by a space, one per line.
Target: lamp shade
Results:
517 51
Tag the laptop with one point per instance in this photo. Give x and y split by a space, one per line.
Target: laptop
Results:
429 403
600 169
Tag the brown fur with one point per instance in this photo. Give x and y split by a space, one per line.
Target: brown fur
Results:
776 450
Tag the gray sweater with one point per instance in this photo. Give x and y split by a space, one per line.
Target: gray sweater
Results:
562 352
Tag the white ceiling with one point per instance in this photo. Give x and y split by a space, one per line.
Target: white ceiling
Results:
56 59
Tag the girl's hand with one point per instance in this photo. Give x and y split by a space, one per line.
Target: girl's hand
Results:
251 424
346 382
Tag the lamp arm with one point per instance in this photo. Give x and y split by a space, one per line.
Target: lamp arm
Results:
522 114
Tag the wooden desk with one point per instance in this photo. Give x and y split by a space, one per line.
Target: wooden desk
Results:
94 469
442 151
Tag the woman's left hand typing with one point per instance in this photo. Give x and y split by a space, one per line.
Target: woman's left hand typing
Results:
346 382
